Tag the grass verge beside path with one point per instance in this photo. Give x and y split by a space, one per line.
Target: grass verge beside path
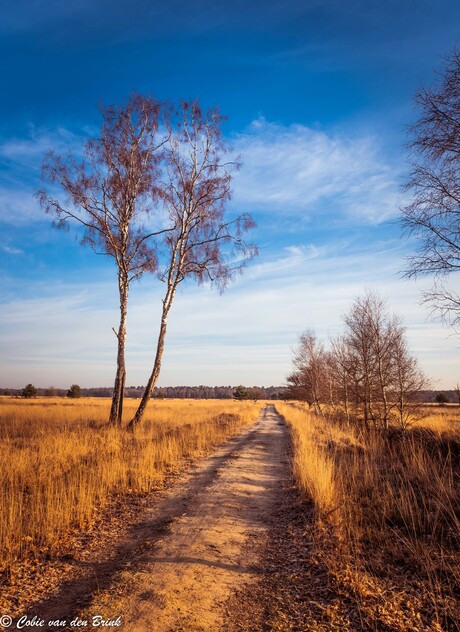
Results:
385 518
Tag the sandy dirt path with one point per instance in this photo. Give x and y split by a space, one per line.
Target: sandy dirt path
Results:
202 558
190 551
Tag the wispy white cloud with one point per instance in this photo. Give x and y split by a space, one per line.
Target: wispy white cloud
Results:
20 167
33 147
58 333
293 171
11 250
18 206
304 172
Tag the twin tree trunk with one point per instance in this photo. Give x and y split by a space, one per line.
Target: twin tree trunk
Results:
116 411
153 379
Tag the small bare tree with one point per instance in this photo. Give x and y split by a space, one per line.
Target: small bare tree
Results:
378 366
109 193
408 381
385 331
203 244
433 215
309 379
342 368
457 392
360 342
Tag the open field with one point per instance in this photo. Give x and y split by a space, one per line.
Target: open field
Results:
386 509
60 463
173 560
367 539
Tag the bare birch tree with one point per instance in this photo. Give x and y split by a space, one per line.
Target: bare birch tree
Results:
204 245
110 192
433 215
373 336
358 336
309 380
342 368
408 381
385 332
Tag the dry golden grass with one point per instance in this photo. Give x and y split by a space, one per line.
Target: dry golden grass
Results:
60 463
441 419
388 511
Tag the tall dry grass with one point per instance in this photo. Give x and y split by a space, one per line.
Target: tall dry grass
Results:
60 463
390 504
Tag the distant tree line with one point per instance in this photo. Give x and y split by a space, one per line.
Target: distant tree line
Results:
208 392
164 392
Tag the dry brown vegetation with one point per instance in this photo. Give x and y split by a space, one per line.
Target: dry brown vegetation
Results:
387 514
60 463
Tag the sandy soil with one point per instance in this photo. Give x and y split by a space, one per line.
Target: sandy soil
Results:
183 561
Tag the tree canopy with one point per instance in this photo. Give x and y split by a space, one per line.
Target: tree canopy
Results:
29 391
74 391
433 214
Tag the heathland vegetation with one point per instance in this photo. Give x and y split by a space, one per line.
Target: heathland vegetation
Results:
386 513
60 463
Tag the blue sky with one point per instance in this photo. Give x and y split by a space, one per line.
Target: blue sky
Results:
318 95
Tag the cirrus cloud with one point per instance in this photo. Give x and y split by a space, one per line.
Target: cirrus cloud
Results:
297 170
